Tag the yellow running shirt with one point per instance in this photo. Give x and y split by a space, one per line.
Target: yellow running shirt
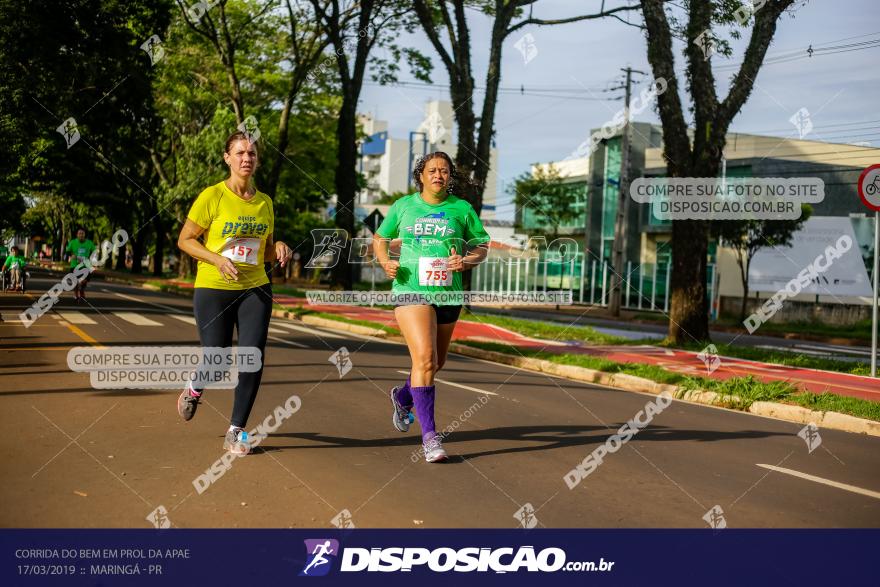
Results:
236 229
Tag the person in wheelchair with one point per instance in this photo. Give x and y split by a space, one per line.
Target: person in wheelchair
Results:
15 264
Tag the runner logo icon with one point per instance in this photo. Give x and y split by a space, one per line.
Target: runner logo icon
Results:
320 554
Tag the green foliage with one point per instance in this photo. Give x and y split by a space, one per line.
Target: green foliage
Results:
546 195
391 198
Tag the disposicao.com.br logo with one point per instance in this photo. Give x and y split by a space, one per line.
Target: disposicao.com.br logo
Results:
444 559
320 554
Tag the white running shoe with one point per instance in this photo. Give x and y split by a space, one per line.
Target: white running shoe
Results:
434 452
237 442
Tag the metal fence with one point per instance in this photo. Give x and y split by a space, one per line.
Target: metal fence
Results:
646 286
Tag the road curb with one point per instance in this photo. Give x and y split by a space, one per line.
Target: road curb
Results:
789 413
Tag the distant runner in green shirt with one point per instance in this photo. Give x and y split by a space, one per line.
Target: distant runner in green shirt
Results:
436 228
15 263
79 251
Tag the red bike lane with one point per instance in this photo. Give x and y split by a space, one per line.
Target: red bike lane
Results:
678 361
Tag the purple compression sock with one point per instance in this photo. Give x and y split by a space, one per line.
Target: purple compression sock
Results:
404 397
424 402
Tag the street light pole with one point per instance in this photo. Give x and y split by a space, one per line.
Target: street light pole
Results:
618 249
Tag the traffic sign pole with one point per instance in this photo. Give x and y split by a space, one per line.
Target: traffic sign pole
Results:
869 192
874 310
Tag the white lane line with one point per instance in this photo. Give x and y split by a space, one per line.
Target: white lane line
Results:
140 301
290 342
837 484
183 318
467 387
277 330
318 333
77 318
136 319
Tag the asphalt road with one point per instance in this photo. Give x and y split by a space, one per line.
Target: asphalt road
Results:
75 456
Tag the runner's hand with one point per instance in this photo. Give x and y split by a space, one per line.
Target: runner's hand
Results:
227 268
454 263
391 268
282 253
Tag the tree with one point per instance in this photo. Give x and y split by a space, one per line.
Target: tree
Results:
475 142
548 197
95 72
271 58
747 237
227 32
306 46
355 29
689 310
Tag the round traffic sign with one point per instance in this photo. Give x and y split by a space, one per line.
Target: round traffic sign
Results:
869 187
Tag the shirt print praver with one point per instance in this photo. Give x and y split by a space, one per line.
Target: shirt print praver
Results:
243 239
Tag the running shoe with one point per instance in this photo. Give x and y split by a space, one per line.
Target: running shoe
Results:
237 442
434 452
187 404
400 416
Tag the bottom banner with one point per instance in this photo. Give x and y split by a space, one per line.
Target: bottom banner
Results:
436 557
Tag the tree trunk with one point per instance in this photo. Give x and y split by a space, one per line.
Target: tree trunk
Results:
137 254
688 307
186 267
346 184
160 245
490 101
283 138
120 258
744 273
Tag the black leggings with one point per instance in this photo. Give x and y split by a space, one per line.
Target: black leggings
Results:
217 312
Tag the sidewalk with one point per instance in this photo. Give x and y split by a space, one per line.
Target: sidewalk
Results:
679 361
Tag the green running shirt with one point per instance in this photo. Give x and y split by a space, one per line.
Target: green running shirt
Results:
428 233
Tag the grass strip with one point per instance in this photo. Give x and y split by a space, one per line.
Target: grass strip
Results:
737 392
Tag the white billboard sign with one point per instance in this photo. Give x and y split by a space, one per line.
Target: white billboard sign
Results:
772 268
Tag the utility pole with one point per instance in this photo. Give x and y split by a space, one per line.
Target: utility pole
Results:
618 249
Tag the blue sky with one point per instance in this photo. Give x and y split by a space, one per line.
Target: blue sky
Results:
575 61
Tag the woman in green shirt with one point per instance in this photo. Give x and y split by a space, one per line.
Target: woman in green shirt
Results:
15 263
435 228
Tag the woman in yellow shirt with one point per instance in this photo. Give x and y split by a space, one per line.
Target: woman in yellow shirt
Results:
231 284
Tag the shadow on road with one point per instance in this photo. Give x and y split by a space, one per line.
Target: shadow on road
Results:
551 437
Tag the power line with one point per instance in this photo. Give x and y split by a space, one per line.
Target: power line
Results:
815 127
808 53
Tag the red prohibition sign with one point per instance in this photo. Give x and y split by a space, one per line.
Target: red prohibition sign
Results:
869 192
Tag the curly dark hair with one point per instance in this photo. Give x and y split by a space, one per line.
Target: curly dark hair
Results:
420 167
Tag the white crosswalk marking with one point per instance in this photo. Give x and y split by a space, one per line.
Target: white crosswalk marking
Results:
136 319
183 318
277 331
77 318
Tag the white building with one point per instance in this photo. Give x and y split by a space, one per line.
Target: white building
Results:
387 162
